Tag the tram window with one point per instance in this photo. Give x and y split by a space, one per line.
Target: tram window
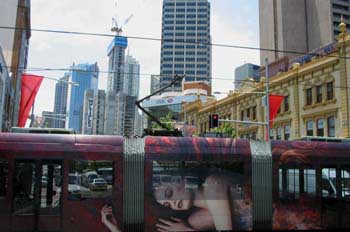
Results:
51 181
345 183
23 187
310 181
90 179
328 182
293 182
3 178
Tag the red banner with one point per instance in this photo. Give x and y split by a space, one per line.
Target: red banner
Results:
29 89
275 103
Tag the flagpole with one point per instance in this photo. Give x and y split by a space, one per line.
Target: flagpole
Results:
267 108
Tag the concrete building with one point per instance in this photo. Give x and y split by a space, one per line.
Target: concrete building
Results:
116 64
299 25
246 71
93 112
14 45
88 112
86 76
132 77
119 114
99 112
188 23
172 102
48 119
4 84
315 100
60 105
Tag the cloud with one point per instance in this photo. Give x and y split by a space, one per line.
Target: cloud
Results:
60 51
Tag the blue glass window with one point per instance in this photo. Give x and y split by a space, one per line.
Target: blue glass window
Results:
190 28
179 59
180 16
179 34
190 65
191 4
191 21
180 21
180 28
190 59
180 10
180 4
202 22
191 16
190 34
202 10
169 16
191 10
168 21
179 65
202 28
202 16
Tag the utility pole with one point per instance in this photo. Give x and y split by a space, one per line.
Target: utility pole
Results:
267 107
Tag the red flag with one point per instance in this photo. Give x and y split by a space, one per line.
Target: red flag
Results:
29 89
275 103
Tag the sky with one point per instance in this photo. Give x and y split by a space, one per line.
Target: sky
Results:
233 22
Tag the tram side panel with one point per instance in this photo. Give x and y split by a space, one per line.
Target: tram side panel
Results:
198 184
93 184
310 186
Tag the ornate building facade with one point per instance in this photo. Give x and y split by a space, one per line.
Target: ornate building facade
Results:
316 99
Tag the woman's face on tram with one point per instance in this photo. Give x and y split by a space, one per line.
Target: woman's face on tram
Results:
174 194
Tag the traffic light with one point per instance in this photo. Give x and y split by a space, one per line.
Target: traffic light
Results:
213 121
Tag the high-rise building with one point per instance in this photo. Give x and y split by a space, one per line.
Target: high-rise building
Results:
116 64
99 112
131 77
246 71
119 114
155 83
14 45
93 112
88 112
86 76
60 106
299 25
185 39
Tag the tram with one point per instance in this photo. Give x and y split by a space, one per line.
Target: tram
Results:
171 184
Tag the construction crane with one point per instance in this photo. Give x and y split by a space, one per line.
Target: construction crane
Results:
118 29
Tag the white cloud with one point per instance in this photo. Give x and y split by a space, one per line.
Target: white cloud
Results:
60 51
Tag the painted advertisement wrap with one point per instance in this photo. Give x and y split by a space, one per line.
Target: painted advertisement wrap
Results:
189 189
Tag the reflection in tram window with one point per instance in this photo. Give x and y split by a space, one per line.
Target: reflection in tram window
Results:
328 182
293 182
90 179
310 181
3 178
24 180
51 191
345 183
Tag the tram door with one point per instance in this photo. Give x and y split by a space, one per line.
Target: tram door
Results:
37 195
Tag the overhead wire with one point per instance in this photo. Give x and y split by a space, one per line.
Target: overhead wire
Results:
174 41
166 40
